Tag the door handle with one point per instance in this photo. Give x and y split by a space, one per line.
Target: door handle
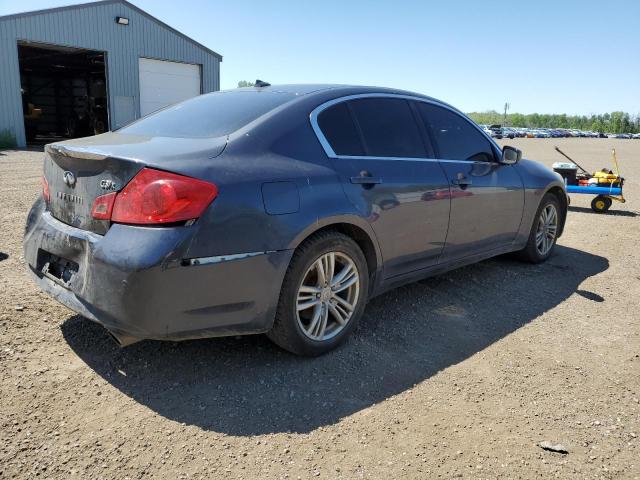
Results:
365 178
462 181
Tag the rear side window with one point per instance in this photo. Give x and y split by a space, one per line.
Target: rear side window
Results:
388 127
211 115
338 128
456 137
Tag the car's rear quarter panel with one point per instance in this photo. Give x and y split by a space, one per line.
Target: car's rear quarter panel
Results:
283 149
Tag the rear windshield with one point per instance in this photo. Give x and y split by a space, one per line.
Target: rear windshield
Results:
211 115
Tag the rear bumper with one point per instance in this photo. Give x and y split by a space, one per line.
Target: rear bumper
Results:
136 283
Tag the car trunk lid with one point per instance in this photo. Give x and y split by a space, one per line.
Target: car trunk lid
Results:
76 177
79 171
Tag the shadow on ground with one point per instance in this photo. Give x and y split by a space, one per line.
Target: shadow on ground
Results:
247 386
614 212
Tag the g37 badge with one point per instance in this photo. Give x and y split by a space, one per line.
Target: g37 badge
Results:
107 184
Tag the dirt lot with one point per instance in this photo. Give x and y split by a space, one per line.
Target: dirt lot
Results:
456 376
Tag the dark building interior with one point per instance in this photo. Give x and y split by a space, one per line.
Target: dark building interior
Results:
64 92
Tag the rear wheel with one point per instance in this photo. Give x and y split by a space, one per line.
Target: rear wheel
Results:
544 232
323 295
601 204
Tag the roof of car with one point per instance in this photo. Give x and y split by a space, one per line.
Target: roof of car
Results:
306 89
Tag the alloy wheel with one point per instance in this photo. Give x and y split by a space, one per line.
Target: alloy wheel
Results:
327 296
547 229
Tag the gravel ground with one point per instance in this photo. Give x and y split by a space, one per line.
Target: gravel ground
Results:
462 375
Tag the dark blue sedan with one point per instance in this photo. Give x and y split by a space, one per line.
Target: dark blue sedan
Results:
278 210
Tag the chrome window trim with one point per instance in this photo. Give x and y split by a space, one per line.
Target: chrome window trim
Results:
313 118
412 159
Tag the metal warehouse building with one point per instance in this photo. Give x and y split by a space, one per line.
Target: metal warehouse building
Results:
85 69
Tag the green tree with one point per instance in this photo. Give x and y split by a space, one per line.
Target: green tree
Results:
245 83
518 120
614 122
598 126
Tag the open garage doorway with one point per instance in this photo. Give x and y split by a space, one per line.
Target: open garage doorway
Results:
64 92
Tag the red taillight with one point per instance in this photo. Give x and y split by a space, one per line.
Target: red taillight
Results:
154 196
45 190
103 206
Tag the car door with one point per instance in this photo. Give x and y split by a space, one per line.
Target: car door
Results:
487 197
378 149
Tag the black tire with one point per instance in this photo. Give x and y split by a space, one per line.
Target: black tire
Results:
530 252
601 204
286 331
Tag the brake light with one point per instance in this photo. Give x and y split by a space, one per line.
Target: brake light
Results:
45 190
103 206
154 197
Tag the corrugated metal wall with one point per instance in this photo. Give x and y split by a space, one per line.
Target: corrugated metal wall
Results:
94 27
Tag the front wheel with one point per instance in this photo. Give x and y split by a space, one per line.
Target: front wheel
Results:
544 232
323 295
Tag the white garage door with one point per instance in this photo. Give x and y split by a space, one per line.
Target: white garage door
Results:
164 83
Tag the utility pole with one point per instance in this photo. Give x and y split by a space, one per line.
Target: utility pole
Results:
506 108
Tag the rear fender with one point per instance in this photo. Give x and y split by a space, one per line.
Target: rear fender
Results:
343 223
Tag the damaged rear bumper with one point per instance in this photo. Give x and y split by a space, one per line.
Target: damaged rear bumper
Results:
139 283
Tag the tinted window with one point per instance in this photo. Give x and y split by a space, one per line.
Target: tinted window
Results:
456 137
339 130
211 115
388 127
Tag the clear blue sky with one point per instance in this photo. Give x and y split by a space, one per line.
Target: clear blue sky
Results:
562 56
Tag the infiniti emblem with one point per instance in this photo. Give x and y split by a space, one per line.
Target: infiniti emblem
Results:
69 178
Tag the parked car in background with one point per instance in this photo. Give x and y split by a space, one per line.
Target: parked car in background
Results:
278 210
508 132
555 133
539 133
512 132
619 135
496 131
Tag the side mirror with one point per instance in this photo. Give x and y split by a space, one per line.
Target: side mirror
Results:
510 155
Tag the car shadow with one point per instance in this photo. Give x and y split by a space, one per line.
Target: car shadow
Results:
247 386
615 213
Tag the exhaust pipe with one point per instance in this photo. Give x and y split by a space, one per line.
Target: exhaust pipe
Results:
123 340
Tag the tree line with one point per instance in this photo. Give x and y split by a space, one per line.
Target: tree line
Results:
614 122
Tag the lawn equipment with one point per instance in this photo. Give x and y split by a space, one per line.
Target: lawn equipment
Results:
605 184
